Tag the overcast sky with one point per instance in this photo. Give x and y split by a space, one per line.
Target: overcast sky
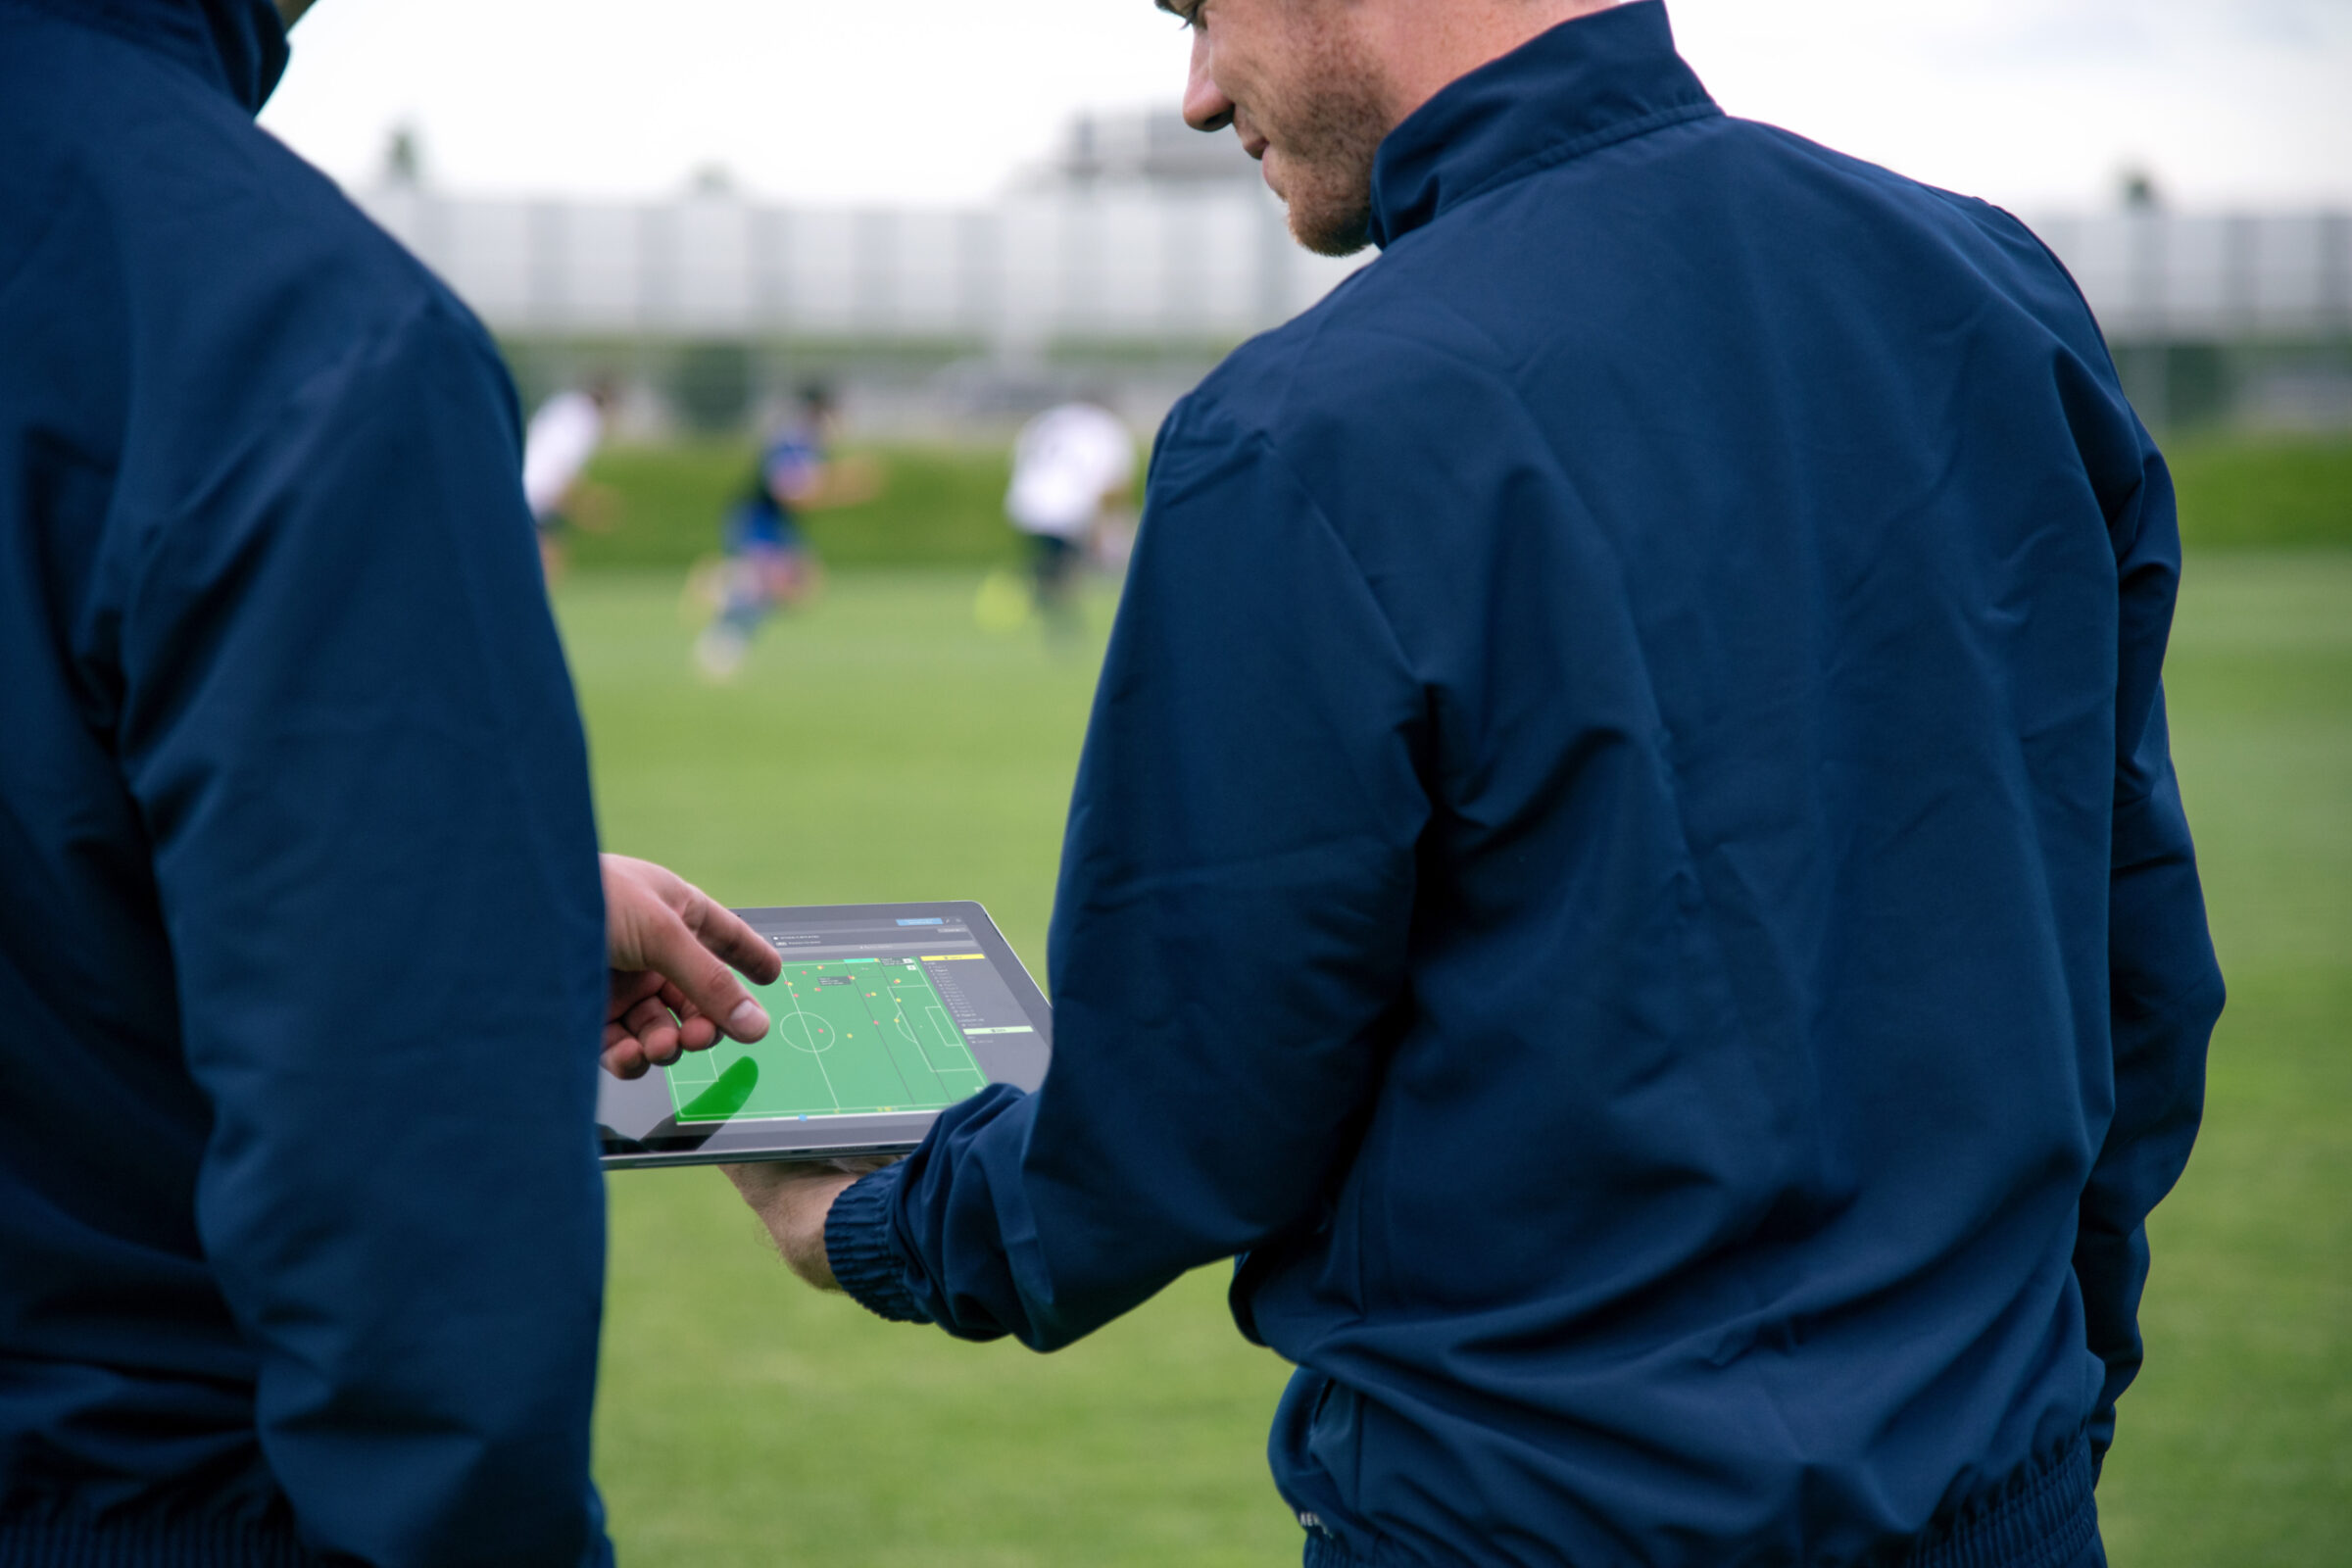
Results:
2033 102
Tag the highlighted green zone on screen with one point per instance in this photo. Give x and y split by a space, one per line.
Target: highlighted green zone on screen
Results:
852 1037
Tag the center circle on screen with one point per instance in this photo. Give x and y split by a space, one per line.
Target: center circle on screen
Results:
805 1031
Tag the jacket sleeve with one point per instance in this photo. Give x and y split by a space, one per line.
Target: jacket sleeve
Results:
347 721
2165 986
1228 939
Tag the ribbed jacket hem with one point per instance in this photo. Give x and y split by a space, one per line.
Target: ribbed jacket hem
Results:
136 1542
2045 1518
857 1245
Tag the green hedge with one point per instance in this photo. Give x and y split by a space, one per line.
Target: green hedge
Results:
942 506
2249 493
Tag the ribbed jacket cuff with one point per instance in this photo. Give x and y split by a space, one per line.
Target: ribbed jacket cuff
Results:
857 1245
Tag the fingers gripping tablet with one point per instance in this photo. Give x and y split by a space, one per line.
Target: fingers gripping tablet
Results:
885 1015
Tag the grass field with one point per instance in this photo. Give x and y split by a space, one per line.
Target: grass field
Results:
2241 492
745 1421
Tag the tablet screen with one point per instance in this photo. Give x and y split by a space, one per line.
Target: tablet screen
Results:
885 1014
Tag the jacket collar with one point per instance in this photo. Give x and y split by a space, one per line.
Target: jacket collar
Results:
1600 79
239 46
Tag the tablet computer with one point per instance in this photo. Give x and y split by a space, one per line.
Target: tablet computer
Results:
885 1015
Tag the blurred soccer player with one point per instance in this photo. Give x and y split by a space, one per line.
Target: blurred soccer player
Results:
1626 860
557 447
1070 464
303 952
768 564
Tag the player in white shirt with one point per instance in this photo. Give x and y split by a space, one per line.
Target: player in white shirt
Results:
1071 466
557 446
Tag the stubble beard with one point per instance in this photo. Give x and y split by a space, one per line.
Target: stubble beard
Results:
1329 141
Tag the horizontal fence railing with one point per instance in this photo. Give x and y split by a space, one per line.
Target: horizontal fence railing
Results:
1208 261
1192 262
2158 276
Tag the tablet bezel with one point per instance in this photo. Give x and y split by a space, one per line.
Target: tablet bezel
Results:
1018 1059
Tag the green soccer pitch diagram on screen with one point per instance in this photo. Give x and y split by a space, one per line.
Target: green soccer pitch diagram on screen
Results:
854 1034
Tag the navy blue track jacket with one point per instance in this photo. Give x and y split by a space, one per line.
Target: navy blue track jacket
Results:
301 940
1626 860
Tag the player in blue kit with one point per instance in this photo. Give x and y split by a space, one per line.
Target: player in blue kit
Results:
768 564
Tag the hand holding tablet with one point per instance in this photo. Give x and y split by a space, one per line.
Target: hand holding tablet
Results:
880 1016
792 1201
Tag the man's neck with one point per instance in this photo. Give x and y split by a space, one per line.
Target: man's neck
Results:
1424 47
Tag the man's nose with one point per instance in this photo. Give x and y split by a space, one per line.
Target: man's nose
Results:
1205 106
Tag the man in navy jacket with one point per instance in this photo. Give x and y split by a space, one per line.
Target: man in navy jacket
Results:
1626 860
302 951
